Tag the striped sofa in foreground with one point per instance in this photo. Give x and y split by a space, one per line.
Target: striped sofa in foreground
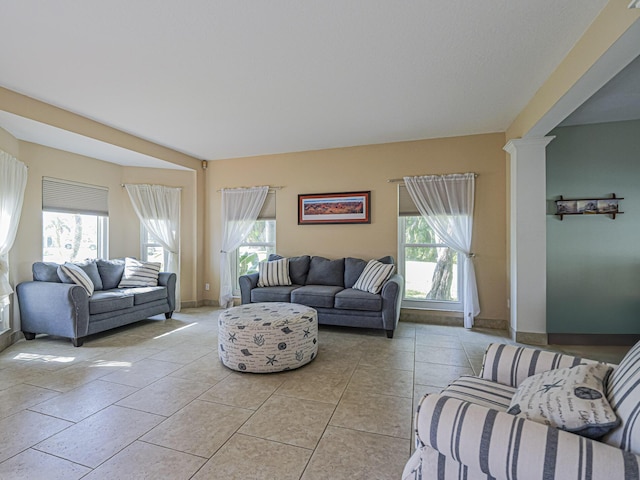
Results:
465 432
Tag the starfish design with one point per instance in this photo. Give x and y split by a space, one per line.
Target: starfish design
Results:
307 332
271 360
548 386
232 337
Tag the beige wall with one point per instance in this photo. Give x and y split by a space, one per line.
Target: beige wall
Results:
369 168
124 227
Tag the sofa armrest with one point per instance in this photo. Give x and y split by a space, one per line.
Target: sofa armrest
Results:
247 283
168 279
54 308
506 447
391 300
511 364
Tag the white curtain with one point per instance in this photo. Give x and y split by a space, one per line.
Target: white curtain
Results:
13 181
158 208
446 203
240 209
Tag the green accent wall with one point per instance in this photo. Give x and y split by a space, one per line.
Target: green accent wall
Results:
593 262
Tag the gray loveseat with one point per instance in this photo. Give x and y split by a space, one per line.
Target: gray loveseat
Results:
326 285
47 305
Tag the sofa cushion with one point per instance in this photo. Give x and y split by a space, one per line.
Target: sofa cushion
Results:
298 267
109 301
272 294
315 295
623 393
139 274
77 276
572 399
350 299
45 272
89 267
146 294
373 276
323 271
481 392
110 272
274 273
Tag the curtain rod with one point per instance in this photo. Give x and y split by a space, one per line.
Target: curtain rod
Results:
396 180
123 185
231 188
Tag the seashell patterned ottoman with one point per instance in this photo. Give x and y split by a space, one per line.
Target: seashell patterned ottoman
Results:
267 337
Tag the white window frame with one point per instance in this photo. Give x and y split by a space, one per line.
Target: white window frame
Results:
441 305
102 232
146 240
236 254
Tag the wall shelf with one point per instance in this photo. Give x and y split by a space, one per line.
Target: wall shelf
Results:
588 206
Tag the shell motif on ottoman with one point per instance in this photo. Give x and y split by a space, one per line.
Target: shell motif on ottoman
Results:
267 337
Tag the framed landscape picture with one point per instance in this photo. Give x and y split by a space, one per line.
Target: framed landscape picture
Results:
331 208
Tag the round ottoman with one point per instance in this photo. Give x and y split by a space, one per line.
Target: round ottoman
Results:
267 337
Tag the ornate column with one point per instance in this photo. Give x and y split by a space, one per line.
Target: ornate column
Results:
528 239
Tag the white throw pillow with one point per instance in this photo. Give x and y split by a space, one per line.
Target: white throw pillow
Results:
274 273
78 276
571 399
373 276
139 274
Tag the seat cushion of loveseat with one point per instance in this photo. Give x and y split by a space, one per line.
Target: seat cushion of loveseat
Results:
273 294
315 295
350 299
109 301
146 294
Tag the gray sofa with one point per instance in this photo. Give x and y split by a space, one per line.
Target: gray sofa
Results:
48 305
326 285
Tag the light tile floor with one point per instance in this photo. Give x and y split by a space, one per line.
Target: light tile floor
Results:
152 401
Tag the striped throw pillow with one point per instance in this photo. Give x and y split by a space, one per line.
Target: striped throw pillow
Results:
373 276
274 273
139 274
623 393
79 277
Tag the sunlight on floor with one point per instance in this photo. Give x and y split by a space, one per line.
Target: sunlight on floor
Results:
176 330
27 357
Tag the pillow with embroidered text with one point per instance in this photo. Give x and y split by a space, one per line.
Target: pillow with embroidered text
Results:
571 399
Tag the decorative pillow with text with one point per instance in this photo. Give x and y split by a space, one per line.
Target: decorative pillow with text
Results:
570 399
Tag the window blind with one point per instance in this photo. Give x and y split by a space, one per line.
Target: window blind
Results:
406 207
268 211
71 197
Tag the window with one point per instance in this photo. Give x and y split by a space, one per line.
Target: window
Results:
75 220
152 251
72 237
256 248
431 270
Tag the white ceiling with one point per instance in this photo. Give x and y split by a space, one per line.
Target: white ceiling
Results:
232 78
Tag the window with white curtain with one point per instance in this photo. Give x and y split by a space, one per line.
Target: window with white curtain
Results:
431 270
75 221
150 249
257 246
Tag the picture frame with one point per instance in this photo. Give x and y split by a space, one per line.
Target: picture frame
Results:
334 208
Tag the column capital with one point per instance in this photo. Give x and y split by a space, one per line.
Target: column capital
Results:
513 145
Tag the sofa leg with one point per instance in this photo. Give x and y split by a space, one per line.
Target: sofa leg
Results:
77 342
167 315
389 333
29 335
